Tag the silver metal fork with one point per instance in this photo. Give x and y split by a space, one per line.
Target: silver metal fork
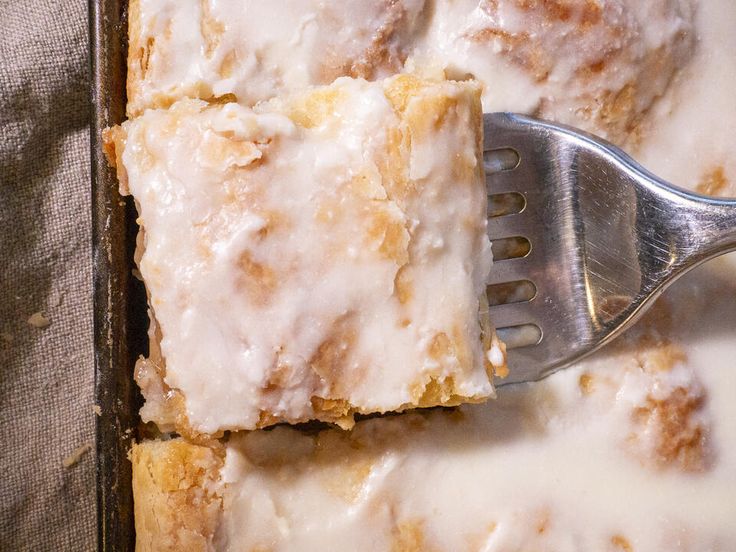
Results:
597 238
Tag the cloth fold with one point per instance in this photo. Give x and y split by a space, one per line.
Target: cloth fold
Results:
46 357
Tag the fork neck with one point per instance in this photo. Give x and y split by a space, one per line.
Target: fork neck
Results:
708 227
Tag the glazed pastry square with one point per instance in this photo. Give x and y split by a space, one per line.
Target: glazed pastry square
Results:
252 50
320 256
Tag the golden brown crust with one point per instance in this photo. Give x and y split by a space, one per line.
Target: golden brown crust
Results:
113 144
137 56
177 496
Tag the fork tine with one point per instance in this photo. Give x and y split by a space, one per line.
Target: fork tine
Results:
507 181
514 314
598 221
508 226
511 270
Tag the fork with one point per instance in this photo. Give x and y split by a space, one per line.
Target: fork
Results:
596 239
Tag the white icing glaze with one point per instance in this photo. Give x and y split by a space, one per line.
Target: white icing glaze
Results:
601 456
273 251
257 49
578 462
540 468
600 65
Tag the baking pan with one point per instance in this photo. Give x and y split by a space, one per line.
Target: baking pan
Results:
119 299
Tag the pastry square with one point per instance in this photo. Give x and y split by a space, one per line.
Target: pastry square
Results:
252 50
319 256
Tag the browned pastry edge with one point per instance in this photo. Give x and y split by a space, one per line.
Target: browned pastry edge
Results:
177 495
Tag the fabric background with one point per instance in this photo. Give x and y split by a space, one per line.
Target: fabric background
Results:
46 375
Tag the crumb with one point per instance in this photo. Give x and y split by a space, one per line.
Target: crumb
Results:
74 458
38 320
55 298
678 438
543 523
585 382
501 371
496 355
97 410
621 543
661 357
713 182
350 478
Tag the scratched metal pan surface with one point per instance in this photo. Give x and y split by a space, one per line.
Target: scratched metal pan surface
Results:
119 299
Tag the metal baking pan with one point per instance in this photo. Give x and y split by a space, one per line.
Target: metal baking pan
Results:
119 299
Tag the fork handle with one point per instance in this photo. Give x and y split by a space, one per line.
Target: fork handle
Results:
712 227
700 227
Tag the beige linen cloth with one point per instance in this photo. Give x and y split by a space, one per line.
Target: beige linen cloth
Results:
46 373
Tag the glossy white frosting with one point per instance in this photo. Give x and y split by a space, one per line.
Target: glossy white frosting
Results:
322 255
257 50
596 64
631 450
599 65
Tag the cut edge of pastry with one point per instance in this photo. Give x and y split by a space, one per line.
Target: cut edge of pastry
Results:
177 494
